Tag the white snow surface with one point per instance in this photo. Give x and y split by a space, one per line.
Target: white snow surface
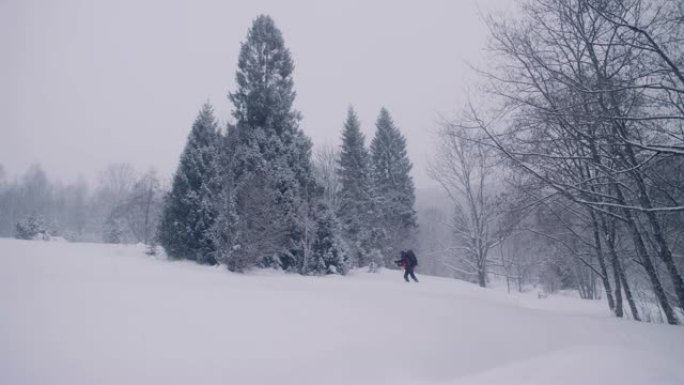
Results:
108 314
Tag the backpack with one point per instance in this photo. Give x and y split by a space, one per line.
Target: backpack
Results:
412 258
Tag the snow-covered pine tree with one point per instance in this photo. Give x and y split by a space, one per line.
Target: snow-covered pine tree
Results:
393 186
356 194
224 230
189 208
329 253
271 162
32 227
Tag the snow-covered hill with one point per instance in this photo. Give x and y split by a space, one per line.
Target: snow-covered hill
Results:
103 314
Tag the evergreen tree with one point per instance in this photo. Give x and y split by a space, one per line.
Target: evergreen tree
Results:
223 231
273 183
393 186
356 203
32 227
328 251
189 210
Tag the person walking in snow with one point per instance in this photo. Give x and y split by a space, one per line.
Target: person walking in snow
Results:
409 262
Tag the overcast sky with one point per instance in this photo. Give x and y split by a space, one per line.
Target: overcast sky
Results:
84 84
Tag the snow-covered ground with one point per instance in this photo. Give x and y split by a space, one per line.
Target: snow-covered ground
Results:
103 314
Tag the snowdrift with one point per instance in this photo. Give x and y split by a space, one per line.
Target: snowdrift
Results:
104 314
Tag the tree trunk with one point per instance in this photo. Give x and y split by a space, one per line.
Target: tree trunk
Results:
619 312
664 252
646 262
666 255
602 262
620 277
482 277
506 268
628 293
610 241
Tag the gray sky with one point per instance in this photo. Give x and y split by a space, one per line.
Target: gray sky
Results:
87 83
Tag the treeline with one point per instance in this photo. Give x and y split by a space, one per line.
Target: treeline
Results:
572 171
123 206
251 195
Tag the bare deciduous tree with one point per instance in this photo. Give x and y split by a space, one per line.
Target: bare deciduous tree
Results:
464 168
326 161
590 103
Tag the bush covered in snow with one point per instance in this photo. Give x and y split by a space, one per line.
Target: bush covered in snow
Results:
32 227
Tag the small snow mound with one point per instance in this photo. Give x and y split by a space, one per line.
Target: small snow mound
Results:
56 239
46 237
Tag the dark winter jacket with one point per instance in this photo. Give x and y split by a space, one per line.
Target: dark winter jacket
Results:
408 260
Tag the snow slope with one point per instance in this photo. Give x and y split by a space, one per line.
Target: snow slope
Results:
103 314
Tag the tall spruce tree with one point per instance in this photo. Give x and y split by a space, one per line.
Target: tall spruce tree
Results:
224 230
189 209
273 184
393 186
356 195
329 252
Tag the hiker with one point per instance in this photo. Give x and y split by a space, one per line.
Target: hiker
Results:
408 261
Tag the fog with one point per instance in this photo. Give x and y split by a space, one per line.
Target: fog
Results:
90 83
